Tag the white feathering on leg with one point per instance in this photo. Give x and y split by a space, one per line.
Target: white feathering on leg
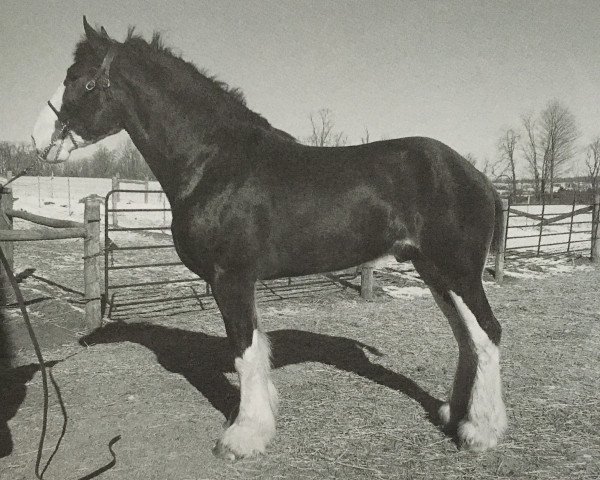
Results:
485 421
254 426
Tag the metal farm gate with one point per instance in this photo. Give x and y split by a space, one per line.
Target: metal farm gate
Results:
534 230
143 276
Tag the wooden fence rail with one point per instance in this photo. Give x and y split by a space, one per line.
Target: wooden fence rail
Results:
89 231
41 220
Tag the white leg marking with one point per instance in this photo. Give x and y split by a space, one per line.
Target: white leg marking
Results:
485 421
254 426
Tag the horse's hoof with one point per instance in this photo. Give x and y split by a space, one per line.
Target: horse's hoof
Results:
478 438
220 450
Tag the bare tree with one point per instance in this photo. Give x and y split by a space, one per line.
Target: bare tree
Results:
103 161
130 163
530 150
507 145
323 132
469 157
492 170
15 156
366 138
592 162
558 134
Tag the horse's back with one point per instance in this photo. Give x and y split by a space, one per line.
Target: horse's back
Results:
296 210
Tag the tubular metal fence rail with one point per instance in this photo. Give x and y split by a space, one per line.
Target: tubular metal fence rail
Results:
549 229
529 230
126 294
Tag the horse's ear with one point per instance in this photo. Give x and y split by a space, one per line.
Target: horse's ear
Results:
99 42
104 34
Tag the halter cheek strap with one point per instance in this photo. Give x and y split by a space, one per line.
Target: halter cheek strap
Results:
103 71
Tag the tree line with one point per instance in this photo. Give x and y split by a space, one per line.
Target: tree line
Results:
126 161
545 145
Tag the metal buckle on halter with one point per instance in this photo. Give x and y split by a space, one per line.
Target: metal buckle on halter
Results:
103 72
89 86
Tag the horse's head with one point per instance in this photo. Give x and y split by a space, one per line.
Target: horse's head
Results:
84 109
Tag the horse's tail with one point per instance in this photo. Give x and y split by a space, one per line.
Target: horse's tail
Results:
498 227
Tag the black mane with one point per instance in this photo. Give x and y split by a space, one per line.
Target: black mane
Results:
190 79
157 44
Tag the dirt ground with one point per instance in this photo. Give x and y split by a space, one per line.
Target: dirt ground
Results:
358 382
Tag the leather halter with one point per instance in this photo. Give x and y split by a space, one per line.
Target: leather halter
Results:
103 75
103 72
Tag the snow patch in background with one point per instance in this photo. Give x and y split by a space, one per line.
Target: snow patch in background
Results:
405 292
59 197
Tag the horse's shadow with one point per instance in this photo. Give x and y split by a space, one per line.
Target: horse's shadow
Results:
204 359
13 387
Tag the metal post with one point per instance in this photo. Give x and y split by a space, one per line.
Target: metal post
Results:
501 253
571 224
595 236
69 194
91 252
116 183
541 227
115 198
146 189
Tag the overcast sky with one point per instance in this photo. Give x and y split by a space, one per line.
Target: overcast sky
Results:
456 71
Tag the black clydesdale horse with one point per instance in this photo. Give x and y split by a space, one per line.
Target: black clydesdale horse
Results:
251 203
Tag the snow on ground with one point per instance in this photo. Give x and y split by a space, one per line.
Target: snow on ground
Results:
524 233
60 197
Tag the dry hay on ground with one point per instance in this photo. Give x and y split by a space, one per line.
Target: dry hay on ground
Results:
356 381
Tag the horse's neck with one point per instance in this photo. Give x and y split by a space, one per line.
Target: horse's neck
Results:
170 138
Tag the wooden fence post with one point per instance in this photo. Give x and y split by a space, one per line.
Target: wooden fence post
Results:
500 254
366 282
595 237
114 200
146 188
6 223
91 253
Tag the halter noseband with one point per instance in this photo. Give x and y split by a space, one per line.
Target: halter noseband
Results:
102 73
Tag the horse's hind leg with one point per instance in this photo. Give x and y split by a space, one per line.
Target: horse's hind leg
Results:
475 410
254 425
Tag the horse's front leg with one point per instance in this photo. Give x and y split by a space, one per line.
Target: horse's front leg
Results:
254 425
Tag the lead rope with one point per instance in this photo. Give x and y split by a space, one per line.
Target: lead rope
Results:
40 475
38 353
